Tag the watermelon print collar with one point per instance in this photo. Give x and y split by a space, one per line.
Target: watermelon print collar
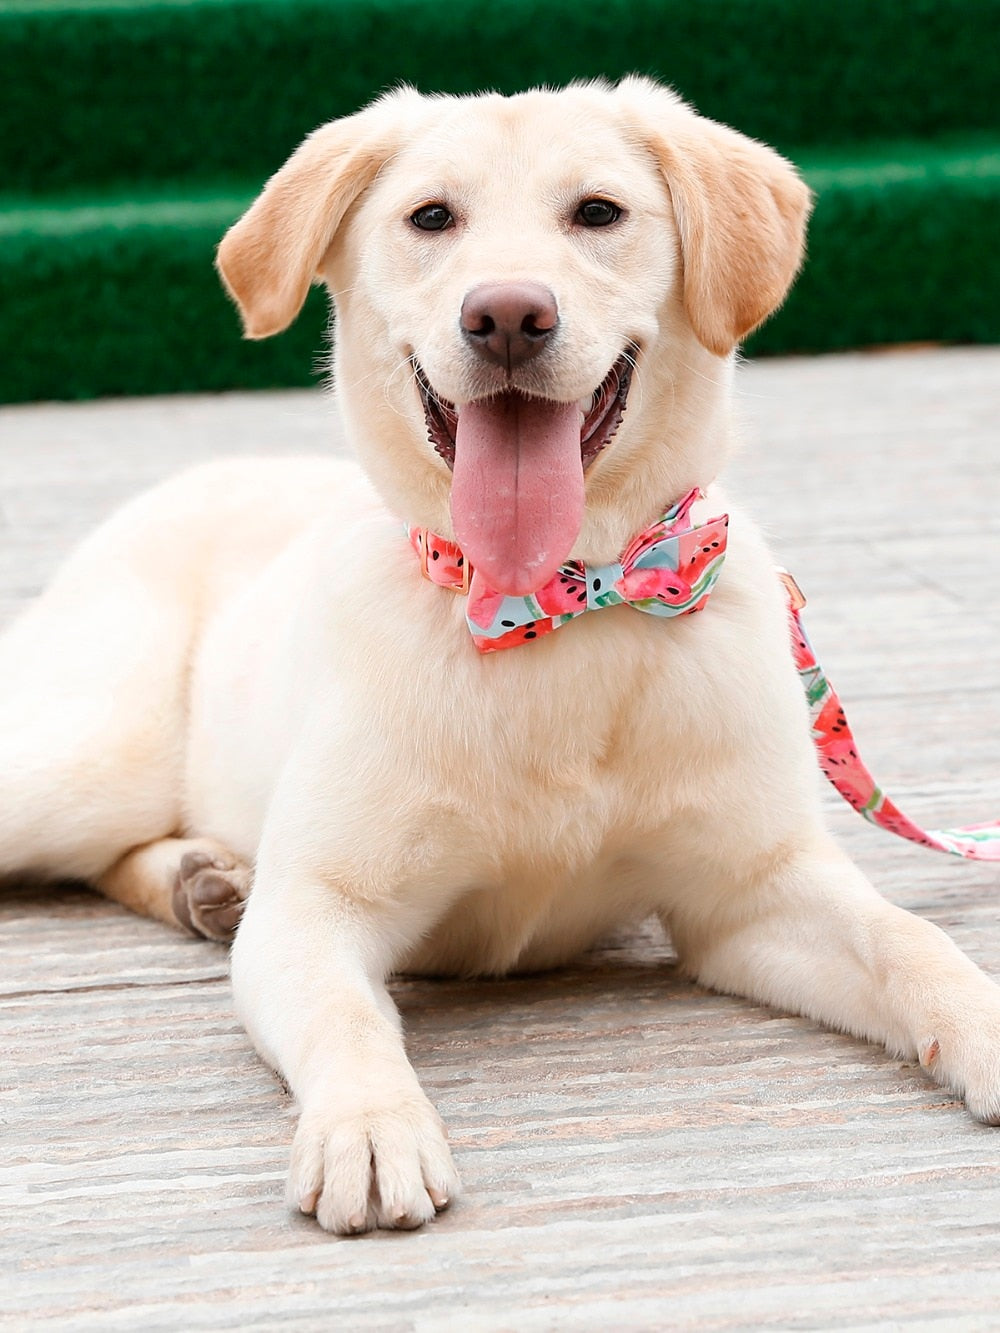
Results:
668 570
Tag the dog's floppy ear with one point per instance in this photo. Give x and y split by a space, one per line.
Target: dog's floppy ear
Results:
741 212
269 258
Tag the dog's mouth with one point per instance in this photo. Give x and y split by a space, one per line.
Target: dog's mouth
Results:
600 417
518 464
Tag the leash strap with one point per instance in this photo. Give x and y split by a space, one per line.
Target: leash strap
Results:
841 763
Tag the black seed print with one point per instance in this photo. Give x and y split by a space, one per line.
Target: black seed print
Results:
435 555
507 624
597 585
531 634
461 561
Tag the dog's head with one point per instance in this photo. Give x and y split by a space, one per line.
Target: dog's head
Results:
536 301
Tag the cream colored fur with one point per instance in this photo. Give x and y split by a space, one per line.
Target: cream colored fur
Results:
247 657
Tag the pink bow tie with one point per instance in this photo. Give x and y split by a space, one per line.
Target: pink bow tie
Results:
668 570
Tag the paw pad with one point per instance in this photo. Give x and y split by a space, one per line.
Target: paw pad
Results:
209 894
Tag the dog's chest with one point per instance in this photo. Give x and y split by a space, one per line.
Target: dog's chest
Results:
571 777
558 770
580 720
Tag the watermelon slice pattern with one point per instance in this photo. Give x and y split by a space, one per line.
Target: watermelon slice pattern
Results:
669 570
841 763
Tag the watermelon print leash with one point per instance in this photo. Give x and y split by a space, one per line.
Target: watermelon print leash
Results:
669 570
843 766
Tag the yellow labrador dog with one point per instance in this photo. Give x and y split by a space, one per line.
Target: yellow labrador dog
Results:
268 667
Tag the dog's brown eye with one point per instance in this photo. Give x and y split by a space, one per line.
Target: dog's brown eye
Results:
432 217
597 213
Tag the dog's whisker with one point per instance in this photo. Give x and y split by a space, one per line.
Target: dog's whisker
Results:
404 365
343 291
360 381
637 383
698 374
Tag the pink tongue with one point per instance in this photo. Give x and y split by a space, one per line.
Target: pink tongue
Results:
517 489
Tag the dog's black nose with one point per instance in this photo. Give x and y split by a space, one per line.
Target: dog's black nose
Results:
509 322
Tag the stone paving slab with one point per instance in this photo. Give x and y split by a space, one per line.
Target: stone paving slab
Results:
637 1154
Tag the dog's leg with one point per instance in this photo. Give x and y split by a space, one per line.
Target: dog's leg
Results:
309 964
91 710
194 883
814 937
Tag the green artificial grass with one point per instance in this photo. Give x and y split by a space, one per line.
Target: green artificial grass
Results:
111 309
185 91
122 298
132 132
902 248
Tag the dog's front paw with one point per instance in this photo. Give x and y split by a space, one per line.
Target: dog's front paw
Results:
388 1166
967 1060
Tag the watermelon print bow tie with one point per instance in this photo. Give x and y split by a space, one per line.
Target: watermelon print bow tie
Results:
668 570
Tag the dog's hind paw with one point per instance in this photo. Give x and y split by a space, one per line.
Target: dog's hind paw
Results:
209 894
